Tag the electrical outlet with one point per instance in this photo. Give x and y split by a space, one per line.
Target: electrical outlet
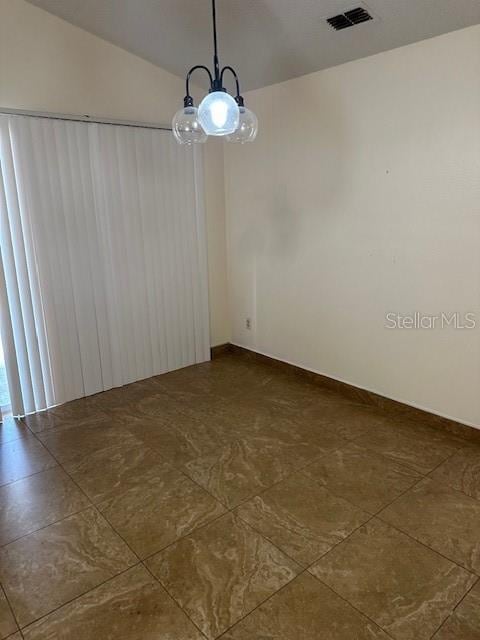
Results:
248 323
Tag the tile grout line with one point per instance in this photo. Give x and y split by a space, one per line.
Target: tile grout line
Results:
92 504
372 516
306 569
190 533
2 590
336 592
405 533
31 475
174 601
375 516
84 593
378 515
260 604
410 468
231 511
291 472
362 613
25 535
444 622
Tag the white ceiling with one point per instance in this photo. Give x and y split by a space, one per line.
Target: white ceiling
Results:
267 41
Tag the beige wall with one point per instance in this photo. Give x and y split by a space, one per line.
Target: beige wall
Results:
47 64
361 196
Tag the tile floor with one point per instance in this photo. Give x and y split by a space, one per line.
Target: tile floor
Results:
236 500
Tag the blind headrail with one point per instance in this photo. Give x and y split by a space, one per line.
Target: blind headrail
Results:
83 118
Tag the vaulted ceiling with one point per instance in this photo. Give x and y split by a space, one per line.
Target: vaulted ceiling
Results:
268 41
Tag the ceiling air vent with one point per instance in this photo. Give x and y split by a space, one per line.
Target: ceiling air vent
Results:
349 18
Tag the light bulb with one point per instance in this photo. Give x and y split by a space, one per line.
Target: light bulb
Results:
218 114
186 127
247 127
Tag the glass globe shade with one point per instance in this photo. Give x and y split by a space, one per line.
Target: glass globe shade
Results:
247 127
186 127
218 114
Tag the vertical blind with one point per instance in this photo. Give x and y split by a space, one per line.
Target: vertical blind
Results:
103 249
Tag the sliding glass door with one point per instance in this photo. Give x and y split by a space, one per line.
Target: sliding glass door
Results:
103 249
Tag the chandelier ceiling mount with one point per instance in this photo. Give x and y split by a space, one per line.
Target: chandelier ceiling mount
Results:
219 114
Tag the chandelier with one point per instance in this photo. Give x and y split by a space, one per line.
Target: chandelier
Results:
219 114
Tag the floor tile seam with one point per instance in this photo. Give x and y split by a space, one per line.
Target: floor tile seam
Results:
180 468
232 511
446 482
428 477
377 516
61 427
62 466
403 464
413 539
172 467
291 472
78 429
315 481
10 440
274 544
174 601
410 489
31 475
80 595
143 474
447 441
185 535
471 572
127 446
340 542
25 535
183 472
400 495
22 420
444 622
370 515
9 604
105 517
92 505
150 447
348 500
228 510
260 604
362 613
117 533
